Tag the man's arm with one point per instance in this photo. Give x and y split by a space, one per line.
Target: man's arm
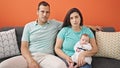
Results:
25 51
95 28
27 55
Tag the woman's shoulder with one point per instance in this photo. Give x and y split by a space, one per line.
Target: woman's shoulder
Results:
66 28
85 28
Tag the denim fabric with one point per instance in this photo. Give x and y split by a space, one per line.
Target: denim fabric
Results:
86 66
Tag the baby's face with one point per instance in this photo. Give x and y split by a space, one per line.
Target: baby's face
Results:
84 39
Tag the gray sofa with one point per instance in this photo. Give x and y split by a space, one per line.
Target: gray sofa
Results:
98 62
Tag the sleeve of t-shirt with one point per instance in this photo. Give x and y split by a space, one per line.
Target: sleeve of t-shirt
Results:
61 34
59 24
26 34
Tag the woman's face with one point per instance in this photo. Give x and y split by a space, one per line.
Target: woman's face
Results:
75 19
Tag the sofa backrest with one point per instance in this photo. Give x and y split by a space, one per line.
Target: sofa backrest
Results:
108 29
19 31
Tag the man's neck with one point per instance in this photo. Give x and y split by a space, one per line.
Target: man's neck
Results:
41 23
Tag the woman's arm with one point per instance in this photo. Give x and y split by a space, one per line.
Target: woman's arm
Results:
59 51
94 48
84 54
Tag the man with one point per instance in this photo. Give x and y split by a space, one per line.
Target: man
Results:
37 45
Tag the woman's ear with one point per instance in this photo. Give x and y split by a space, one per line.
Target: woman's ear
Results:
37 13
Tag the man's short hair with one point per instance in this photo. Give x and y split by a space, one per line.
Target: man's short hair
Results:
43 3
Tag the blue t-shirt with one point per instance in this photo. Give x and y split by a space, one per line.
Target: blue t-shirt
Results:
41 38
70 38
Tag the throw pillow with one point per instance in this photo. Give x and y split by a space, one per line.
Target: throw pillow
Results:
108 44
8 44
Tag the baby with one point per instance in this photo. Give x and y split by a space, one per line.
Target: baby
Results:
80 46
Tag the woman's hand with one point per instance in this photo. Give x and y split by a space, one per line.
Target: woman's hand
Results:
33 64
81 59
69 61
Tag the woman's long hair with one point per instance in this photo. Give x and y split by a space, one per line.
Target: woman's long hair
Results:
66 21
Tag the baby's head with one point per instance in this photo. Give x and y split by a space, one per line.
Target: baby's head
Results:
84 39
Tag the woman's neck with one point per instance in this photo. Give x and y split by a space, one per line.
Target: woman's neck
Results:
76 28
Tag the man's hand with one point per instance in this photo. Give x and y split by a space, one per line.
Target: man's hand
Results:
95 28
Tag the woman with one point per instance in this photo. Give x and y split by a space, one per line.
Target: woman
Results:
69 35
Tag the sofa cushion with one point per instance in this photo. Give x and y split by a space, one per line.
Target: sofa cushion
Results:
18 32
108 44
8 44
102 62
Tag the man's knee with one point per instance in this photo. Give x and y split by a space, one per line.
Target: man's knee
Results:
14 62
60 64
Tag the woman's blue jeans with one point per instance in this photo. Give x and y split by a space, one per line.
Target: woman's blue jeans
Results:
86 66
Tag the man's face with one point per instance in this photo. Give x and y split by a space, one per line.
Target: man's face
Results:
43 13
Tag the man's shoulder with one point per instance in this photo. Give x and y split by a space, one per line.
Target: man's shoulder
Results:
54 21
31 23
